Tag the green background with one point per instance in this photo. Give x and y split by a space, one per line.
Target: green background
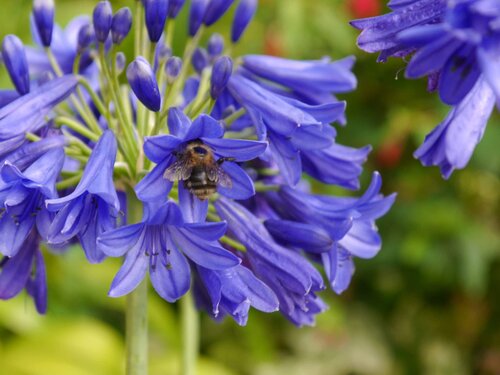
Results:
427 304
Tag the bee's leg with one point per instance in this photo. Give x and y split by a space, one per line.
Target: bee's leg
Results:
223 159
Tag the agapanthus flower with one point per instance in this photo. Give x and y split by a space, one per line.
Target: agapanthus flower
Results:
22 196
455 44
211 162
161 242
25 270
92 208
337 229
232 292
161 149
292 278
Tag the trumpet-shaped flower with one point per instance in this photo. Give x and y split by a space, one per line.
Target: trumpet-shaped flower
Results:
161 242
92 208
22 196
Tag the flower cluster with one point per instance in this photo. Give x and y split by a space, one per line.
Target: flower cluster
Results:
456 44
193 170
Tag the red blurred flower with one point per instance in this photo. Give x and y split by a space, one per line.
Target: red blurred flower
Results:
364 8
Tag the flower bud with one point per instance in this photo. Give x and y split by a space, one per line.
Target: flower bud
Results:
196 14
156 14
43 14
199 59
143 83
242 17
215 45
162 53
86 36
14 58
221 72
120 62
215 10
121 24
103 16
174 7
173 68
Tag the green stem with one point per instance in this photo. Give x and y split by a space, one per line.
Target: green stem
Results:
69 182
233 243
137 311
190 335
77 127
234 116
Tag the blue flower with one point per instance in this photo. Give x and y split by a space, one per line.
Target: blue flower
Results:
196 14
338 165
14 57
25 270
348 222
27 113
23 154
22 197
174 7
291 277
456 44
290 125
305 77
161 242
215 45
162 148
142 80
215 10
242 17
43 14
221 72
102 17
121 24
156 12
173 68
232 292
380 34
451 144
92 208
64 46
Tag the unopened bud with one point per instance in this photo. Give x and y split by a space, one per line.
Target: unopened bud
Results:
221 72
142 80
155 14
14 58
121 24
242 17
43 14
103 16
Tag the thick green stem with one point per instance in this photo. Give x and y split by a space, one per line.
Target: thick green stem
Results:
137 309
190 335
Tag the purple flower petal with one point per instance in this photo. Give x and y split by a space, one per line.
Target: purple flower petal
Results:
242 184
171 281
239 149
207 255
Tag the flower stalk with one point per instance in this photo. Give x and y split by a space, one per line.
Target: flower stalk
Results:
190 335
137 309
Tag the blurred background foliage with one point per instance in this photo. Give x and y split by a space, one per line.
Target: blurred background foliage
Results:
427 304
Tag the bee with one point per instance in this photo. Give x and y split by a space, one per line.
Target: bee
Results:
197 168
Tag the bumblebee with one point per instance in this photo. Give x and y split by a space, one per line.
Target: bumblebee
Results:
197 167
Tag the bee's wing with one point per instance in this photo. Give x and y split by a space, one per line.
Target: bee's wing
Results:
178 170
218 175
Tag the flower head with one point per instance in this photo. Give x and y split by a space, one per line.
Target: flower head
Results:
455 44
